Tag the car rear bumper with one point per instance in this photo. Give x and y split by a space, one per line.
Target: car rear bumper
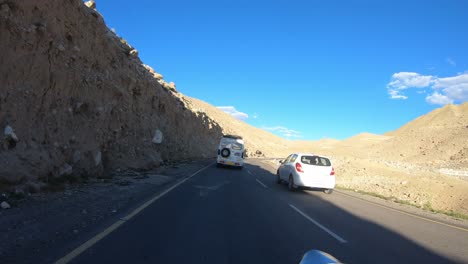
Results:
311 182
228 162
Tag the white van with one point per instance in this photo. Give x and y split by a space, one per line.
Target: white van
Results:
231 151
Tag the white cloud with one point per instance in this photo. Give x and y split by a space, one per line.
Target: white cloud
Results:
404 80
233 112
284 131
395 94
451 62
255 116
451 81
437 98
445 90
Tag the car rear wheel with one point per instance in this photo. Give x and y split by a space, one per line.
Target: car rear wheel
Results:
291 184
328 191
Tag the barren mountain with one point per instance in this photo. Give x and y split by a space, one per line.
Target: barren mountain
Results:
423 163
75 99
439 138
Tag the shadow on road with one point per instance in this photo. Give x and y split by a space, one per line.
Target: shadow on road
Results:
368 242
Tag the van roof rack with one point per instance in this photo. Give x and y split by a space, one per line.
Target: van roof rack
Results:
232 136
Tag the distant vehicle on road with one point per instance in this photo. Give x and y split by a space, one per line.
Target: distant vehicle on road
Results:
231 151
310 171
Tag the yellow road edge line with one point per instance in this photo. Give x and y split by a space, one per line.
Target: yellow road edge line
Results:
91 242
405 213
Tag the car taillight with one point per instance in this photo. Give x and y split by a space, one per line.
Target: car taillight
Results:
299 167
332 173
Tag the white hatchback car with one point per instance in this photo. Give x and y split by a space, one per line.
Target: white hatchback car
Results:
307 171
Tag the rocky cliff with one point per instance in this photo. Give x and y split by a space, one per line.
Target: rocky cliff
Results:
76 100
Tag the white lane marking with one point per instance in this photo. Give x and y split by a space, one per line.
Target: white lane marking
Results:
75 253
261 183
337 237
250 172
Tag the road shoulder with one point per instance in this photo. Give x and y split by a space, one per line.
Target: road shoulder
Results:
47 226
269 165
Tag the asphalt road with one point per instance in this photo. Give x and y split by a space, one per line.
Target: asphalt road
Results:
242 216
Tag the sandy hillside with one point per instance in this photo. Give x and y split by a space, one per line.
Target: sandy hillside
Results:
358 145
438 139
255 139
422 163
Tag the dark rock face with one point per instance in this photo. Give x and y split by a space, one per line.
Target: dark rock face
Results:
77 97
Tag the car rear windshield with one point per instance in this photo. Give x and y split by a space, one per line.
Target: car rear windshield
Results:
315 160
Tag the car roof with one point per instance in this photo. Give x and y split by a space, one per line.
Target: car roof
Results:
232 136
309 154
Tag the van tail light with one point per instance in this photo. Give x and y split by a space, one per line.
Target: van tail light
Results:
299 167
332 173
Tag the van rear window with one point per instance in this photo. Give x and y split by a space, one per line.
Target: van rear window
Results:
236 146
315 160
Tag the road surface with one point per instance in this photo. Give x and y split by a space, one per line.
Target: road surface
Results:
222 215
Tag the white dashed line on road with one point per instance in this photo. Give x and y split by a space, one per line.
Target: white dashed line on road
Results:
337 237
261 183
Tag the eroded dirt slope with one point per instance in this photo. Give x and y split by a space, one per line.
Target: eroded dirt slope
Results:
75 99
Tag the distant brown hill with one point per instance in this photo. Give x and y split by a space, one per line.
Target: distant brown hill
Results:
439 136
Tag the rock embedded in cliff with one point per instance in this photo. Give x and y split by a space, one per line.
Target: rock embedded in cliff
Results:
91 4
10 138
134 53
149 68
10 134
172 86
4 10
5 205
97 158
169 86
60 47
158 137
66 170
158 76
76 156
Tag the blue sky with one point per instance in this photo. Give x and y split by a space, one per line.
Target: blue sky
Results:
305 69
